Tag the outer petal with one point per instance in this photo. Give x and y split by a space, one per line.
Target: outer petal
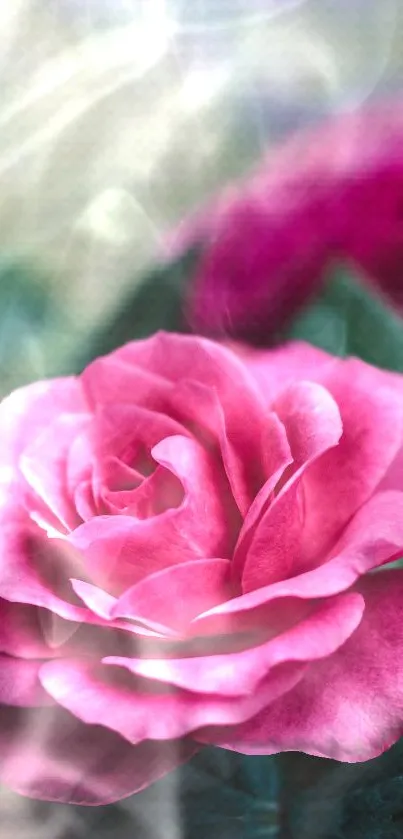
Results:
323 628
371 407
372 416
141 710
27 411
275 370
44 466
49 754
348 707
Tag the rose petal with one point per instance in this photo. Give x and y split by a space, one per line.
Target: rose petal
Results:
36 570
275 370
142 710
278 458
102 605
348 707
129 432
193 587
319 633
372 416
194 378
44 466
42 402
312 422
120 550
112 379
19 683
20 631
156 494
369 400
373 538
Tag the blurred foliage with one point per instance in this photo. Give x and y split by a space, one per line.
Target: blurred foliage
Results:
323 799
25 311
347 318
157 302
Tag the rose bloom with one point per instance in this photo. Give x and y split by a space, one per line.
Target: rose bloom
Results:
196 548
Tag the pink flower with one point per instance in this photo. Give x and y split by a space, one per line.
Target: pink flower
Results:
188 541
331 192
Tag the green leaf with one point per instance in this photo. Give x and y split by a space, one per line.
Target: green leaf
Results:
157 302
348 318
329 800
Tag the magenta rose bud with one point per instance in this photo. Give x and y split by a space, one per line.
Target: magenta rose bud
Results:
189 535
334 192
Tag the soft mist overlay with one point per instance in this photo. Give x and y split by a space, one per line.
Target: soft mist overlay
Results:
89 187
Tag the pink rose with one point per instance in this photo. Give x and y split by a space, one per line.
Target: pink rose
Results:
189 539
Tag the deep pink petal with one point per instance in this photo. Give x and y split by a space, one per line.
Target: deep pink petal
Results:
348 707
266 241
277 458
49 754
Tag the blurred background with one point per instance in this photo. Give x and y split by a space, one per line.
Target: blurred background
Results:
120 117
